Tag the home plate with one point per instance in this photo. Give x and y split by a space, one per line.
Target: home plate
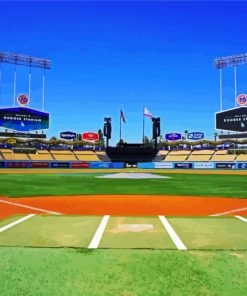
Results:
132 228
132 176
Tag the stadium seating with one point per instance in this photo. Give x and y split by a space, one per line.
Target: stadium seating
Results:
241 157
17 156
163 152
177 155
175 158
199 157
221 152
180 152
63 155
203 152
226 157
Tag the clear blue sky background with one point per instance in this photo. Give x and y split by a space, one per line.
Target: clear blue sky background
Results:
108 56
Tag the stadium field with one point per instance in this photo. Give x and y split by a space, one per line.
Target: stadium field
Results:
84 235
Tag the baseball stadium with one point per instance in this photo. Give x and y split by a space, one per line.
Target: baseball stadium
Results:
80 215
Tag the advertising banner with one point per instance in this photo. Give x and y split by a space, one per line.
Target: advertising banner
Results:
242 99
68 135
80 165
195 136
173 137
2 164
23 119
163 165
90 136
37 164
118 165
100 165
242 166
16 164
146 165
222 165
203 165
59 165
183 165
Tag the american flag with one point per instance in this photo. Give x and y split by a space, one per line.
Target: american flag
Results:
122 116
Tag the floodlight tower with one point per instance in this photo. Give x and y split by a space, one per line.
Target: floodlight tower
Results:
28 61
226 62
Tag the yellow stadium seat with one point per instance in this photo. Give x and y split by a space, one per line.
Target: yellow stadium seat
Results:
227 157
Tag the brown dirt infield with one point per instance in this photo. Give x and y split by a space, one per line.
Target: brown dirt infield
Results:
126 205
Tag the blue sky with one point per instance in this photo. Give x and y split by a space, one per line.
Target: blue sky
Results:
108 56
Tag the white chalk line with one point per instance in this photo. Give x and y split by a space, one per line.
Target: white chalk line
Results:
173 235
99 233
29 207
16 222
241 218
228 212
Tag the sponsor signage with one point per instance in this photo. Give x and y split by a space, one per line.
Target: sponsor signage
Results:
11 141
232 120
23 119
23 100
90 136
2 164
195 136
23 135
59 165
203 165
80 165
222 165
173 137
67 135
100 165
242 99
39 164
16 164
183 165
242 166
163 165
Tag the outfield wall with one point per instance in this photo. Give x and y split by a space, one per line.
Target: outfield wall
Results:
121 165
193 165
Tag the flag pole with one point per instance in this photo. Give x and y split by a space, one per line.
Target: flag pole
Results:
143 127
120 131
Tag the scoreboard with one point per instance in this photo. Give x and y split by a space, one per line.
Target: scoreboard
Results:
232 120
23 119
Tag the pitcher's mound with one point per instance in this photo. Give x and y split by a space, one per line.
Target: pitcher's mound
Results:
133 176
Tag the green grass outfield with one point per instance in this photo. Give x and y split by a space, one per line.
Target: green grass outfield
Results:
63 272
48 256
15 185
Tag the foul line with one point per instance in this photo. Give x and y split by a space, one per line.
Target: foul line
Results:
173 235
28 207
241 218
229 212
16 222
99 233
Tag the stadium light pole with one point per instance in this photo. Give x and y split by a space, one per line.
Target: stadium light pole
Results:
43 94
226 62
0 81
14 95
29 61
29 84
221 94
235 84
